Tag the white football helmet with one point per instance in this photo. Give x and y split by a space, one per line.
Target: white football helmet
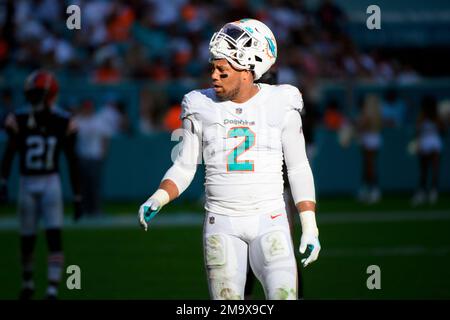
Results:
247 44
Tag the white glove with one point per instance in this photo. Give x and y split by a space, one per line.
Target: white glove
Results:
147 211
311 242
151 207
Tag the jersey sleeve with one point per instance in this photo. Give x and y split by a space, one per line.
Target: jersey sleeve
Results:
187 156
299 171
190 109
185 107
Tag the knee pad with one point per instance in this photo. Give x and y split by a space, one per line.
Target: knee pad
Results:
280 269
221 262
275 246
283 293
220 257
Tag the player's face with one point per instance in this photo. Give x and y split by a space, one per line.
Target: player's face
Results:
226 80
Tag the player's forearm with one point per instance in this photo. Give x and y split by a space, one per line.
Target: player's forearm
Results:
301 181
306 206
304 197
166 192
174 182
171 188
303 192
177 179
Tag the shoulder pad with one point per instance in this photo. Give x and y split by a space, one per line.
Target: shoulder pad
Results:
292 96
60 112
194 101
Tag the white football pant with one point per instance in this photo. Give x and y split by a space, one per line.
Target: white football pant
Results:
265 239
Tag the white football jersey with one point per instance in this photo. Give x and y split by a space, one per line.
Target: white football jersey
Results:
242 147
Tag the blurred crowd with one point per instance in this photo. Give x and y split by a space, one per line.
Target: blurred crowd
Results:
167 41
164 44
161 40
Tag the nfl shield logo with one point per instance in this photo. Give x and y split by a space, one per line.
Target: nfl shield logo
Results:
211 220
238 110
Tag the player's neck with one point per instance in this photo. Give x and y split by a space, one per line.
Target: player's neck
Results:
246 93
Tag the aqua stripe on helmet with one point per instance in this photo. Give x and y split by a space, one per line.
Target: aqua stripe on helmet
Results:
271 46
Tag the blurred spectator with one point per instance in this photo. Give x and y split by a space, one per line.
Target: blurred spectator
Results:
429 147
108 65
393 109
331 17
407 75
166 12
152 103
114 115
172 118
444 112
384 72
119 22
94 15
333 117
107 72
92 145
369 132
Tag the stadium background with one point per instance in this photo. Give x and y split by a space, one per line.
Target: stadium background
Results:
144 55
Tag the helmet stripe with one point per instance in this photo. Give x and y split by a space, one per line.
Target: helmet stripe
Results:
271 46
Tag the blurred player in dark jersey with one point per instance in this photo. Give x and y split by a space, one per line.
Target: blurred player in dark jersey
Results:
39 133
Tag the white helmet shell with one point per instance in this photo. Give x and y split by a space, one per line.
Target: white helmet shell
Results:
247 44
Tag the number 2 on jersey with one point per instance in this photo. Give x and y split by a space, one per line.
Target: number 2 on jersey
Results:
233 164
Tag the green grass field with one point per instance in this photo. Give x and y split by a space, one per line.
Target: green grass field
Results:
410 245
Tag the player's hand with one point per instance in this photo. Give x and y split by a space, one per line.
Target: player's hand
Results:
310 245
77 208
147 211
3 191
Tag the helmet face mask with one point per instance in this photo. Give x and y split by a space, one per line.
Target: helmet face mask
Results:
247 44
36 97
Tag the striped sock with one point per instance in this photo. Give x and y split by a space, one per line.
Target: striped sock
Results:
55 266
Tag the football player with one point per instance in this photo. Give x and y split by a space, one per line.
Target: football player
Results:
270 77
38 133
243 130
